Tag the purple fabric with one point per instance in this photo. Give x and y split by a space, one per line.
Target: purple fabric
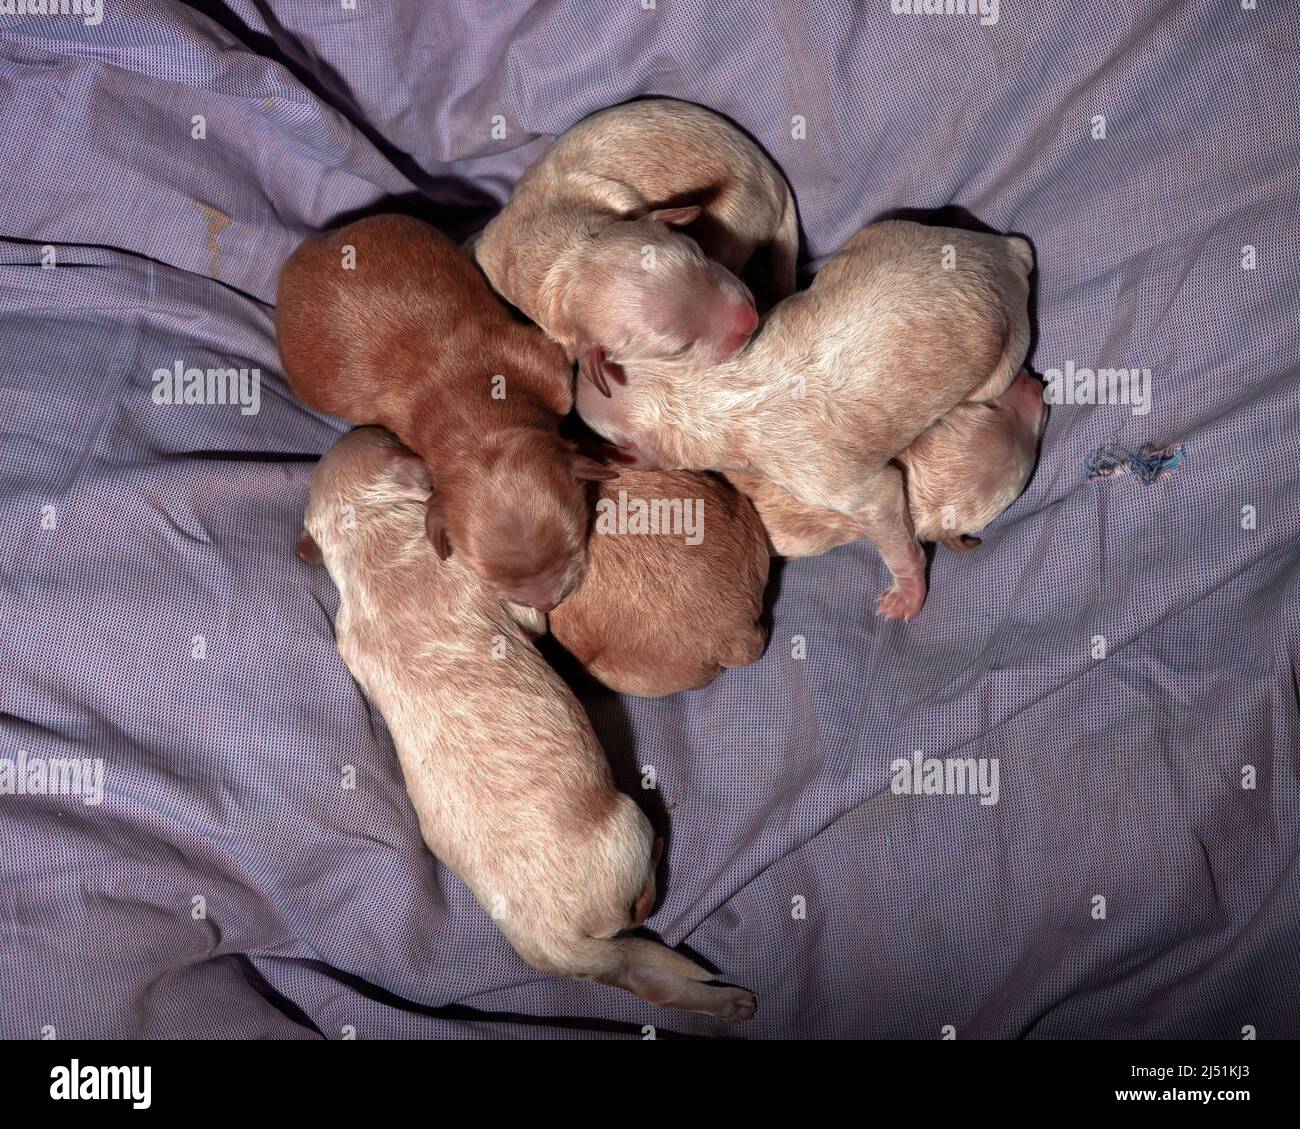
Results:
794 867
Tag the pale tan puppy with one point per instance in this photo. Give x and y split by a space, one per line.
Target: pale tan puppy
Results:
901 325
513 792
669 609
386 321
590 244
794 528
961 473
971 464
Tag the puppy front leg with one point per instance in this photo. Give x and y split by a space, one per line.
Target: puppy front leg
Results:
884 517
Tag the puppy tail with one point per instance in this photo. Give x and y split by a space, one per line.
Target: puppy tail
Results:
664 977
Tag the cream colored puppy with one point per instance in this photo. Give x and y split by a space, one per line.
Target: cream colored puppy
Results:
961 473
512 789
904 323
591 245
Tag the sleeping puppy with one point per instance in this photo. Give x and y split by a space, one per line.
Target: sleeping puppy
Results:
512 790
402 331
589 245
903 324
667 611
961 473
971 464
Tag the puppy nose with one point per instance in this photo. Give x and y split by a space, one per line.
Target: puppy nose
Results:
531 598
744 321
542 592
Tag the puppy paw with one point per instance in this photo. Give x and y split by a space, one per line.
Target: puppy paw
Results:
735 1005
903 600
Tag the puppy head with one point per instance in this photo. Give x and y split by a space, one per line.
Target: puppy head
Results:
973 463
515 512
646 292
355 488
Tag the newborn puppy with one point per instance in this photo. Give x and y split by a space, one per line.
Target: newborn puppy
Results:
666 611
589 247
513 792
971 464
904 323
402 331
961 473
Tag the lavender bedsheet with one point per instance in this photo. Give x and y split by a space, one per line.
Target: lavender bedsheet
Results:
154 618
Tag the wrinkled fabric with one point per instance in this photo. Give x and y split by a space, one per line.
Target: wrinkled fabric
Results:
1126 651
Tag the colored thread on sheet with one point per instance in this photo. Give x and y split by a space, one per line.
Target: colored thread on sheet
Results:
1149 463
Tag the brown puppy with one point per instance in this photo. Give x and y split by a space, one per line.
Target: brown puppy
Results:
961 473
674 590
386 321
512 790
587 246
904 323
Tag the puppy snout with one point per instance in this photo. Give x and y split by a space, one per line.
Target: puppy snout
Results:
535 596
742 321
544 591
745 322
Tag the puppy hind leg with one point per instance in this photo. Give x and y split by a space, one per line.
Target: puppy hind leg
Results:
656 973
637 965
885 519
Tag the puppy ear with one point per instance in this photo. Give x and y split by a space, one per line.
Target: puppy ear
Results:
593 365
676 217
308 550
588 470
409 470
435 526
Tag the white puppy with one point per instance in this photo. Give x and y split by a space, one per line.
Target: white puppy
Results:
511 787
627 239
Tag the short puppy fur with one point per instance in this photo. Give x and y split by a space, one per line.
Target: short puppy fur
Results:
657 615
591 243
386 321
512 790
904 323
961 473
